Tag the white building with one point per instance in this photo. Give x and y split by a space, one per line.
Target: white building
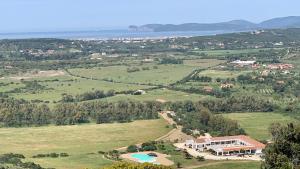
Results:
244 63
229 145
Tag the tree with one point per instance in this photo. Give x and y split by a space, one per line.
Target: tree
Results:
200 158
132 149
187 155
149 146
284 152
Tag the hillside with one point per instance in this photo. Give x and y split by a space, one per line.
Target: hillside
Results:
234 25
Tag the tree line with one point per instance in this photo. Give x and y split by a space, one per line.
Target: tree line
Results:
226 105
18 113
98 94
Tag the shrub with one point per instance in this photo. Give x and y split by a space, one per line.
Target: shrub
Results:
132 148
53 155
136 166
64 155
200 158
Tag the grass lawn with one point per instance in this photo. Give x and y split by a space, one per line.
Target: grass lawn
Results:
164 74
232 165
81 142
257 124
178 156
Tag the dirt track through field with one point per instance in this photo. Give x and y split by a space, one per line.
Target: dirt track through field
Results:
174 134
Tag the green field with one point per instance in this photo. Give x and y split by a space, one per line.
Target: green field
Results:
164 74
232 165
97 79
231 52
295 61
159 95
10 86
203 63
73 86
56 86
81 142
221 74
257 124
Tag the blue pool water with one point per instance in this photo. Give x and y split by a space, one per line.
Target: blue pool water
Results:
144 158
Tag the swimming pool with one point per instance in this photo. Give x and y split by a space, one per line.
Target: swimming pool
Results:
143 158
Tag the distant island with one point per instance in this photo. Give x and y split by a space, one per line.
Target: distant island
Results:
234 25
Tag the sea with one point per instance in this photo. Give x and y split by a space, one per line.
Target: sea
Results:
107 34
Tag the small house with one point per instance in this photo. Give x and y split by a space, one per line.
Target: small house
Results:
139 92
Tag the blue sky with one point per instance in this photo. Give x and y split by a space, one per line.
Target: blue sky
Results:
60 15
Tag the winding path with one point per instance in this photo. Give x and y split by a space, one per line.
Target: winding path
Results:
170 121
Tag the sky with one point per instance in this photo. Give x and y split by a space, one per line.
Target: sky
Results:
73 15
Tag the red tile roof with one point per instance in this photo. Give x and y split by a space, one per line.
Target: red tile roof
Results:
238 148
247 139
200 140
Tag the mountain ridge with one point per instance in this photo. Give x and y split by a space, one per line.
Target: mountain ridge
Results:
233 25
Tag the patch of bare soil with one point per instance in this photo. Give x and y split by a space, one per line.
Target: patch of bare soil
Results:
174 135
38 74
161 100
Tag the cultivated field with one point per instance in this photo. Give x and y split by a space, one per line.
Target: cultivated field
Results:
295 61
81 142
257 124
117 78
162 95
203 63
73 86
221 74
231 52
163 74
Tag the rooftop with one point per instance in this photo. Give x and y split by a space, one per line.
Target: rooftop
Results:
244 138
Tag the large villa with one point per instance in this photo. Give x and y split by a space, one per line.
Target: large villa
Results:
226 146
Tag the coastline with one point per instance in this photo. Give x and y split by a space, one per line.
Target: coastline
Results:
108 35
